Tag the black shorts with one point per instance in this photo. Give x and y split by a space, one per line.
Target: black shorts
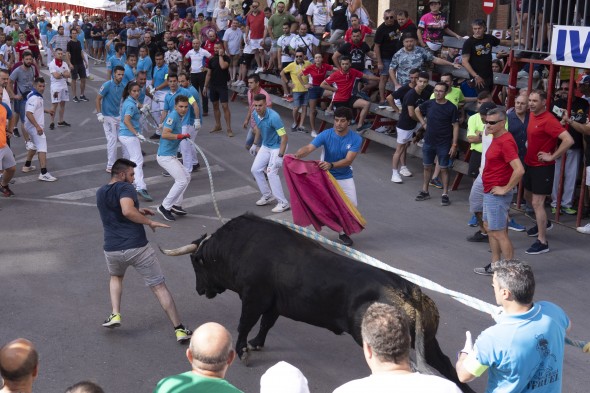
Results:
79 71
246 59
218 93
346 104
474 164
539 179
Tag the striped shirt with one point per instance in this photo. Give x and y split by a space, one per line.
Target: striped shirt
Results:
60 41
159 23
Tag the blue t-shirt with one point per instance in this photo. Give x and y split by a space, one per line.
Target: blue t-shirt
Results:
145 64
128 76
336 148
50 34
160 74
111 51
192 92
112 94
43 27
120 233
114 61
271 128
524 352
129 108
439 126
169 147
169 104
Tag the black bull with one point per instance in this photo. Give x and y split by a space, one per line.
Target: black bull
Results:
277 271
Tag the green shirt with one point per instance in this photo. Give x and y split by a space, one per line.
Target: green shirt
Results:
474 127
455 96
197 28
276 23
192 382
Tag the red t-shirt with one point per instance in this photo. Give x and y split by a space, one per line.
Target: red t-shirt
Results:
364 31
185 47
344 83
256 25
20 47
209 46
497 170
542 133
317 74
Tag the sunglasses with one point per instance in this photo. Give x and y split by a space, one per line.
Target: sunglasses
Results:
387 17
299 57
491 122
440 91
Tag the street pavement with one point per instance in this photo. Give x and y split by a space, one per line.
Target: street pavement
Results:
54 287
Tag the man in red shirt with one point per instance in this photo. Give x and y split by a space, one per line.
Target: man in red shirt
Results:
356 24
502 172
345 79
184 45
209 44
256 33
543 131
21 46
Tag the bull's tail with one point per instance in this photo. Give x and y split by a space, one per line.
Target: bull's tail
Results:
421 361
438 360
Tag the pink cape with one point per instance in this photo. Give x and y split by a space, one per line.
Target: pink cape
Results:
318 200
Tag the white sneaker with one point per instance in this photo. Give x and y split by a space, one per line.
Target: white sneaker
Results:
585 229
26 169
293 126
314 133
259 70
241 83
280 207
404 171
235 83
47 177
30 146
396 178
265 200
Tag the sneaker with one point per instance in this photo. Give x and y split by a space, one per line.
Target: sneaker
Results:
301 129
435 182
345 239
265 200
538 248
259 70
396 178
52 126
534 231
383 105
329 112
293 127
234 83
30 145
47 177
514 226
472 221
422 196
444 200
585 229
478 237
196 167
183 335
289 98
569 211
113 321
314 133
484 271
241 84
366 125
404 171
75 99
285 96
27 169
6 191
166 213
145 195
155 136
178 210
63 124
166 174
83 98
15 132
280 207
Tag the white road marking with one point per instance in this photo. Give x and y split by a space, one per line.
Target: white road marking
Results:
64 135
91 192
80 150
85 121
219 196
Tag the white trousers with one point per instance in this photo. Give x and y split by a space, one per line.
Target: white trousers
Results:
132 151
111 131
158 106
181 176
264 162
349 189
569 177
188 151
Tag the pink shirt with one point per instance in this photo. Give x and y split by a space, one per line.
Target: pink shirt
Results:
251 103
432 27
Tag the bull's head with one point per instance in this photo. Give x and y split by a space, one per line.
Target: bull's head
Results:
204 285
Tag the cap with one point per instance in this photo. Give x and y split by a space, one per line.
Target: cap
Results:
128 12
486 107
585 80
285 378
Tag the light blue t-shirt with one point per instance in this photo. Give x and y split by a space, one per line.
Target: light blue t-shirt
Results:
169 104
111 51
160 74
128 76
50 34
43 27
129 108
336 148
114 61
145 64
112 94
169 147
81 37
195 94
524 352
271 128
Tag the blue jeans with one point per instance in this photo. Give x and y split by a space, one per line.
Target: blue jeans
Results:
441 151
495 210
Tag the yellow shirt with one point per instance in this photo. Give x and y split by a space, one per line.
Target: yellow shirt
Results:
295 69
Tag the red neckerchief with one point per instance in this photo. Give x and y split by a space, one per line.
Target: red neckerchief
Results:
408 22
58 62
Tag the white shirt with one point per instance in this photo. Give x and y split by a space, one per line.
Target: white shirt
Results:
67 27
6 98
319 12
221 16
300 42
35 106
283 42
8 55
233 39
197 59
61 83
173 57
400 383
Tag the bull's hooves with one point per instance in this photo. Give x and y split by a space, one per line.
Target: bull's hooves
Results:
254 347
245 358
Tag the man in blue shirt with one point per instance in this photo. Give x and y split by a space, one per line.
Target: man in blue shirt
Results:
523 352
118 59
130 65
159 88
108 104
125 244
271 136
189 153
171 137
341 147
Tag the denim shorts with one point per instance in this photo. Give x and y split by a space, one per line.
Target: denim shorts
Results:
315 92
386 64
476 196
495 210
300 98
440 151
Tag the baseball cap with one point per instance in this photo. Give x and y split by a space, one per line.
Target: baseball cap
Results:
486 107
585 80
285 378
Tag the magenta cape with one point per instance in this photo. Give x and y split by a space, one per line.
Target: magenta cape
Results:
318 200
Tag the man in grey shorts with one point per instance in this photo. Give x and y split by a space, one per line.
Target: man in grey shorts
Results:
125 244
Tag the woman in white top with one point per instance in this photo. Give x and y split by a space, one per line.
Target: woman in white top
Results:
318 15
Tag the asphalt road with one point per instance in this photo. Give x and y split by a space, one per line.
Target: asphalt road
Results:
54 287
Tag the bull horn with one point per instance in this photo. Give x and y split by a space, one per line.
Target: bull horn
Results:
188 249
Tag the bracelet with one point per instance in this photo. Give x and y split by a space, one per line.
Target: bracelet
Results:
331 165
454 145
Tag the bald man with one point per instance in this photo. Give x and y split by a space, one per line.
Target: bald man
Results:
18 366
210 354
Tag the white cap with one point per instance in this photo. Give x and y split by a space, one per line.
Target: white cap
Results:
285 378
